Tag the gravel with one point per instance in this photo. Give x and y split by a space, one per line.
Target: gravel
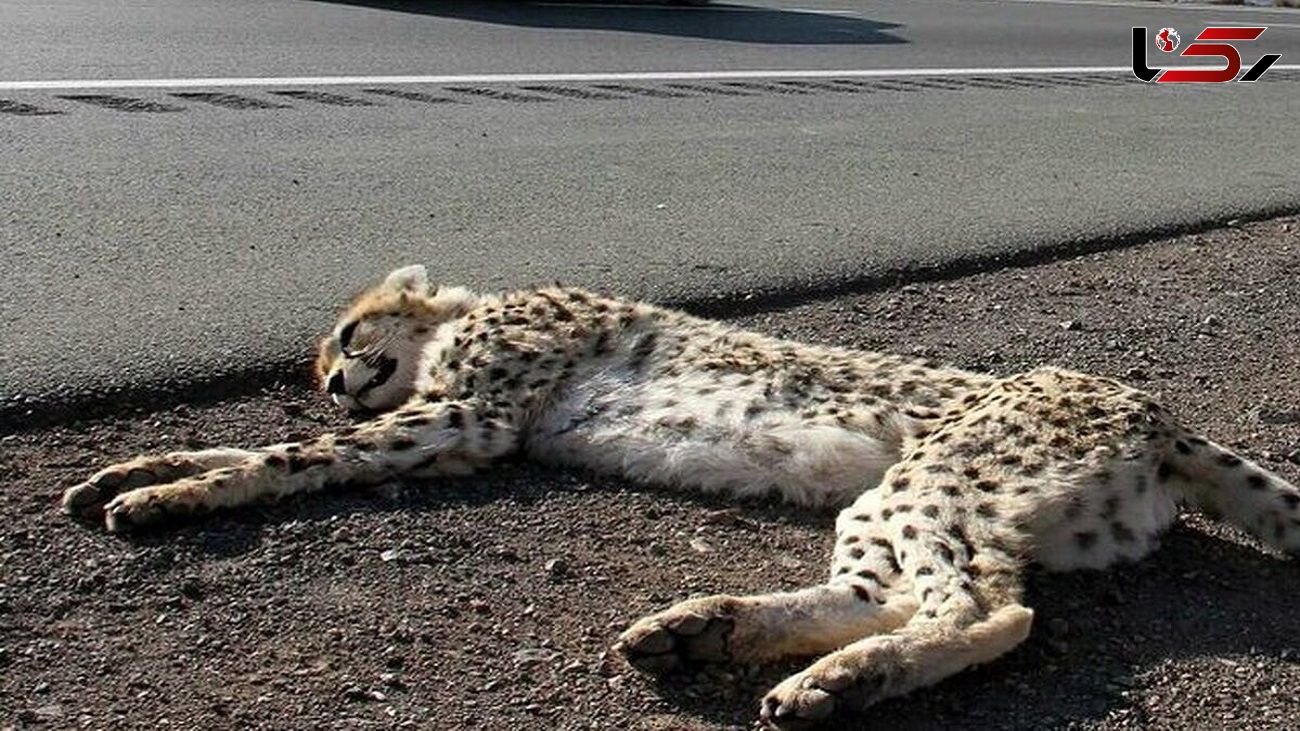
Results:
489 602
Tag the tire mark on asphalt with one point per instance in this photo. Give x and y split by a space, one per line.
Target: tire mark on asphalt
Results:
122 103
229 101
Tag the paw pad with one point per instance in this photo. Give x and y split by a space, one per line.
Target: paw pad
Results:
667 642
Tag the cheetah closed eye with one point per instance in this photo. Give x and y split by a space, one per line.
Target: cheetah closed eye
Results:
953 481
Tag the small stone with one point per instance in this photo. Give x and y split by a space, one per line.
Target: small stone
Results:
191 588
1135 374
47 713
726 516
1276 416
699 545
391 554
1072 325
557 567
534 656
355 693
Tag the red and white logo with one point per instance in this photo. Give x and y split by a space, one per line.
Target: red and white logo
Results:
1213 42
1167 40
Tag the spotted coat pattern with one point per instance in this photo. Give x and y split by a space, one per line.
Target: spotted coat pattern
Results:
949 482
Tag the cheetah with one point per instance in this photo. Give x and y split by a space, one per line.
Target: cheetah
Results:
949 482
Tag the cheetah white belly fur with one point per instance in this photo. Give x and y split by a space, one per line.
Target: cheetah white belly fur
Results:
953 481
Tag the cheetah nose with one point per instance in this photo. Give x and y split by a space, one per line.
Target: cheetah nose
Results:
335 384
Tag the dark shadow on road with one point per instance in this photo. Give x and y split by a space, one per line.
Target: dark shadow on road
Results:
1095 633
721 22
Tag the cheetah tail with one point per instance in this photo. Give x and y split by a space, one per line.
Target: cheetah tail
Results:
1226 486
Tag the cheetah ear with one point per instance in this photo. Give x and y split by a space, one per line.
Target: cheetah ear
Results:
413 278
455 301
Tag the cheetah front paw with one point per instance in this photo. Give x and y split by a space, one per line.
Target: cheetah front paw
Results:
694 631
827 688
133 509
90 496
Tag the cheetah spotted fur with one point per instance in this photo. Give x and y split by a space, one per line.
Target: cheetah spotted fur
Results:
950 482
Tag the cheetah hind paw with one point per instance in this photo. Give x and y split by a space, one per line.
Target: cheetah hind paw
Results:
811 698
692 632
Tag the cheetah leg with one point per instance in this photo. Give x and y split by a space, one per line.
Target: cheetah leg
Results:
970 613
760 628
921 654
416 438
90 496
866 594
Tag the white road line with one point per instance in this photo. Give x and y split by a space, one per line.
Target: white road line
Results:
255 81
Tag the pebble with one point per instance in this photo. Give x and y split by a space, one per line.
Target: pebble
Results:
699 545
557 567
725 516
1277 417
191 588
534 656
355 693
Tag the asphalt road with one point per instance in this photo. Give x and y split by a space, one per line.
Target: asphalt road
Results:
161 241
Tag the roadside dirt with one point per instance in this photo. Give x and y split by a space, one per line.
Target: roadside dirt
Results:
488 602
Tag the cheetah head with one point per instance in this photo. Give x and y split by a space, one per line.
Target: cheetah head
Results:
369 362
